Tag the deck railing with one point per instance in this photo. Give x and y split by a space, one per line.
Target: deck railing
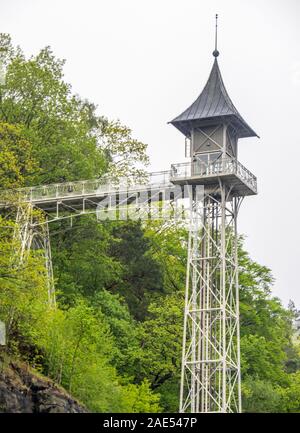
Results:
216 168
82 188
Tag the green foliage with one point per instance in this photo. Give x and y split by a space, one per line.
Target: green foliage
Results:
16 161
23 297
290 395
69 140
75 347
114 256
57 123
266 327
161 340
263 359
82 263
48 134
126 155
79 350
124 329
169 394
142 274
168 244
140 398
261 396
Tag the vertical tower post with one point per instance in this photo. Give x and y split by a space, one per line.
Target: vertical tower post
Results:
210 379
41 241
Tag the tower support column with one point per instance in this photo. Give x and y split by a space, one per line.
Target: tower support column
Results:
33 235
210 380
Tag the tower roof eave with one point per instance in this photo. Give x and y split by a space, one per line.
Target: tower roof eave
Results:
243 129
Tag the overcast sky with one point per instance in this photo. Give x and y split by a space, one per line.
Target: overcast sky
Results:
145 61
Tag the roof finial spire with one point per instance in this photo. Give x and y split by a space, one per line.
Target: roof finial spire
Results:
216 52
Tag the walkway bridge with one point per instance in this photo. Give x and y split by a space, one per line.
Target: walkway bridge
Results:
58 200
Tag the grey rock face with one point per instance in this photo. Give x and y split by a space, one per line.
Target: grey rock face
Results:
23 392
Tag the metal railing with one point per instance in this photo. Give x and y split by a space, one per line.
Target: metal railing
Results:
92 187
158 179
216 168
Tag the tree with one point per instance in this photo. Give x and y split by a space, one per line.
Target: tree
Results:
56 122
161 343
80 350
142 274
168 246
81 259
261 396
126 155
290 395
140 398
69 140
23 292
17 164
266 327
124 329
263 359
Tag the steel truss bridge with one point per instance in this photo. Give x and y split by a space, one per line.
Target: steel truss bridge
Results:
210 380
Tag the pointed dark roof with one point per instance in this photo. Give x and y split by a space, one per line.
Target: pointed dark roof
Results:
212 105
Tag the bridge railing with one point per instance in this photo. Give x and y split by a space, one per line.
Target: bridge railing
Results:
215 168
90 187
57 190
157 179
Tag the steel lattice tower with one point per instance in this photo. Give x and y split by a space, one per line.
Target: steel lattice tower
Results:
211 378
211 362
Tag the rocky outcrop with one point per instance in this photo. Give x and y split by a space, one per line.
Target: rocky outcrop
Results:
23 391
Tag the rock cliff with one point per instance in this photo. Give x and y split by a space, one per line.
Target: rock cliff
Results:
23 391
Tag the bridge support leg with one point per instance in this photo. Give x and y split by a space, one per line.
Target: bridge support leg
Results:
210 380
35 235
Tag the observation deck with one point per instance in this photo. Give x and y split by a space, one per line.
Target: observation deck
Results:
228 170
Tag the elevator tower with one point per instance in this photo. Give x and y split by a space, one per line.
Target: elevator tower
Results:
212 126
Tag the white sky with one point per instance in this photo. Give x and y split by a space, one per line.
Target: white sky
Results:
145 61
